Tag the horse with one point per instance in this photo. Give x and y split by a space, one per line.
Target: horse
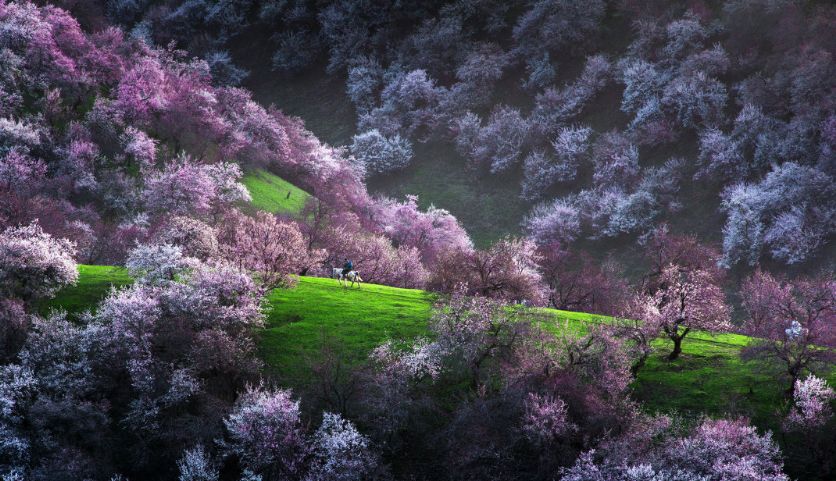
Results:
353 276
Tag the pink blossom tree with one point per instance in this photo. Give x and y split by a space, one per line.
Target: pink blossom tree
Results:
195 238
546 418
716 449
185 187
20 172
557 221
811 404
266 246
507 270
664 248
577 283
500 143
265 432
375 257
792 321
475 330
179 189
615 159
433 232
33 264
686 300
158 263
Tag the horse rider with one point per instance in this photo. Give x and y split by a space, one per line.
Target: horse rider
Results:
348 266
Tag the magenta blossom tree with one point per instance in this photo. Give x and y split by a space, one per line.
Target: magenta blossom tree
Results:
507 270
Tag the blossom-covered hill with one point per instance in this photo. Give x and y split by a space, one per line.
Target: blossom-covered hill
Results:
599 119
165 241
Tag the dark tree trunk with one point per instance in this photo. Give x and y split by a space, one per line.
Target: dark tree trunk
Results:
677 348
634 369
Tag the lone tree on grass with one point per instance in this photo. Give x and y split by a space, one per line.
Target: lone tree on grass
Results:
686 300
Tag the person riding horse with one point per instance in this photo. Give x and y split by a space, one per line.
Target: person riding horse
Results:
348 266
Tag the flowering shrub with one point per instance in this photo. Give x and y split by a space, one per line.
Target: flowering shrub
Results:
419 360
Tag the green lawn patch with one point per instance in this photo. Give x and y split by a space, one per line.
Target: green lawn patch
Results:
273 194
302 319
94 282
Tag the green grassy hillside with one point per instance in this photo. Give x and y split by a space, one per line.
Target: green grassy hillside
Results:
274 194
708 378
318 311
94 282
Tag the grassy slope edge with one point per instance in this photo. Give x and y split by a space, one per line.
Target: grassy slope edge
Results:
709 377
273 194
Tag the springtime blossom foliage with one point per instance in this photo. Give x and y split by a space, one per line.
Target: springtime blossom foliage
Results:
195 465
789 212
791 320
498 144
33 263
195 238
549 24
269 248
557 221
420 359
577 283
546 418
542 171
507 270
130 153
18 170
379 154
716 450
811 409
340 452
375 257
185 188
686 300
474 329
265 433
157 263
433 232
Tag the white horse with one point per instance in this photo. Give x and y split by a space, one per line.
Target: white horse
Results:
353 276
